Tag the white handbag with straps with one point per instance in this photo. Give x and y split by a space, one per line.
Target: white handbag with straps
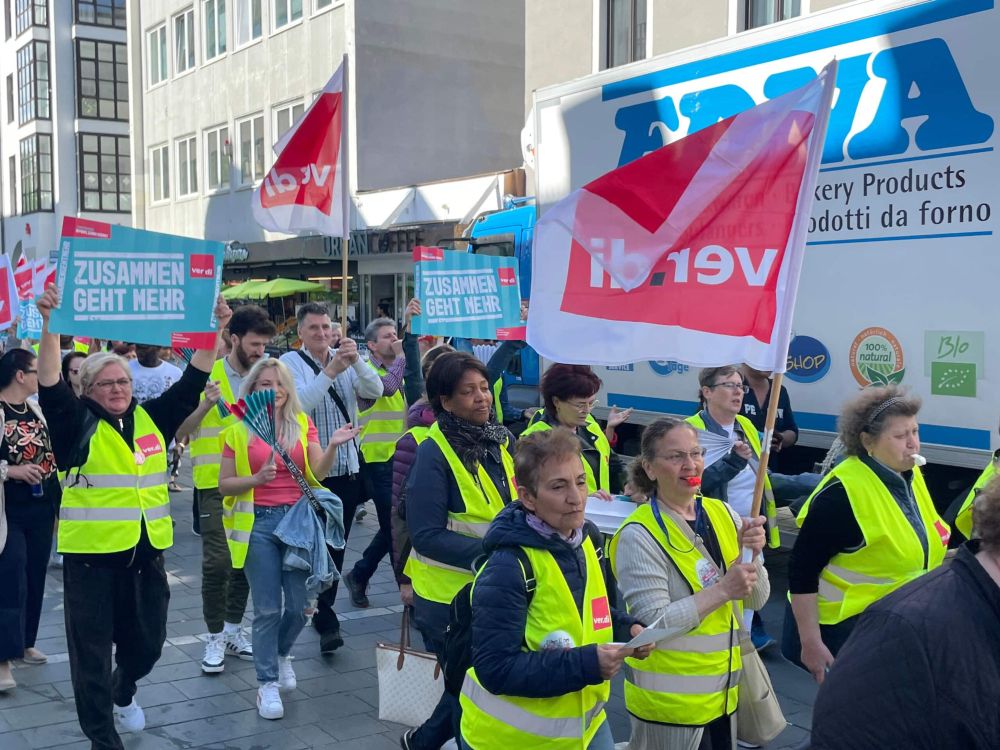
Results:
410 682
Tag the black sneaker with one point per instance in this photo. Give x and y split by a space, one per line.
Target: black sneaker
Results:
404 739
358 596
330 641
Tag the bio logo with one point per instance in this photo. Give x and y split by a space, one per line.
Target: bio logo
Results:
808 360
876 358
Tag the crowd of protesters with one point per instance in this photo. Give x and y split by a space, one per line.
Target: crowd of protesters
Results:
477 520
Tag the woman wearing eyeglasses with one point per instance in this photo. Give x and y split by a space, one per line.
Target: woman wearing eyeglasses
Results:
569 394
28 471
677 560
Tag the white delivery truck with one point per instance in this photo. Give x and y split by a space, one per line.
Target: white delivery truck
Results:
901 280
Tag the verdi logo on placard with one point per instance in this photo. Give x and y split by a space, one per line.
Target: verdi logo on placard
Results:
876 357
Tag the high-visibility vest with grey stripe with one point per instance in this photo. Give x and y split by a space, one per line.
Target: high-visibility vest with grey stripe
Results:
436 581
602 481
116 490
692 678
963 521
206 442
564 722
382 424
238 512
892 554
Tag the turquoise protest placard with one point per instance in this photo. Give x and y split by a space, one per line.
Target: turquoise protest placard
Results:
467 295
132 285
29 324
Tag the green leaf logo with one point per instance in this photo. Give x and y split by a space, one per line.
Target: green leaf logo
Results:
897 377
875 376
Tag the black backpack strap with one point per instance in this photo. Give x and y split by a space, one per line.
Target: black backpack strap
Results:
596 538
331 390
530 584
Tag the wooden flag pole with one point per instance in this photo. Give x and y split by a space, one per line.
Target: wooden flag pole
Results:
345 142
765 446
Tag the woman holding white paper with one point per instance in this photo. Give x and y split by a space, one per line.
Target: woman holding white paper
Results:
677 560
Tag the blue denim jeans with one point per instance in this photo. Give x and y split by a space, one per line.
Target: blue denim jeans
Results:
275 627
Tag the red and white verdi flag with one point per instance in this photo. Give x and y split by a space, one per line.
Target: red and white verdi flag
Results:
305 188
690 253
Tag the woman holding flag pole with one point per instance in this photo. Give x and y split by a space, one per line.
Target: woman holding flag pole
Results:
258 490
114 522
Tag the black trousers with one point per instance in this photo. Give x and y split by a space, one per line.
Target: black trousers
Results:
351 493
23 563
380 477
126 607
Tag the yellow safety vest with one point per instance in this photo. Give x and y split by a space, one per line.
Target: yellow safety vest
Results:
565 722
691 679
436 581
382 424
206 442
892 554
769 506
964 518
603 480
237 512
497 388
118 488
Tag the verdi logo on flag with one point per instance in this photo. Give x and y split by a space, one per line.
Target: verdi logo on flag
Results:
691 252
128 284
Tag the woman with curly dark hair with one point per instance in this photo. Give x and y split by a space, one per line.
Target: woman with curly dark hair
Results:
869 528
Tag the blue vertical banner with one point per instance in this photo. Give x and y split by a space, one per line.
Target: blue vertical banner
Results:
467 295
128 284
29 323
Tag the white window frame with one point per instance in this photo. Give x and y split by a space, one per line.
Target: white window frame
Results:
159 156
288 107
738 20
237 4
223 162
287 5
221 37
186 149
317 8
163 55
253 178
188 60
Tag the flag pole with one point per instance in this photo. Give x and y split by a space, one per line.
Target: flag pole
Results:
765 446
345 143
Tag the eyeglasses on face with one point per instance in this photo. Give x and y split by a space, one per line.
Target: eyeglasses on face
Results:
679 457
107 385
731 387
582 406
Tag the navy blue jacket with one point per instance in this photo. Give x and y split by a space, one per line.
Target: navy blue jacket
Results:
500 613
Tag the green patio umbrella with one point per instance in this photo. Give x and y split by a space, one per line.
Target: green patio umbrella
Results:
240 290
282 288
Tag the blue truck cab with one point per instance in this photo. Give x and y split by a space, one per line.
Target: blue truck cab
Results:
508 233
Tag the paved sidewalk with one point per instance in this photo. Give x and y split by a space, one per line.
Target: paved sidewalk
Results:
334 707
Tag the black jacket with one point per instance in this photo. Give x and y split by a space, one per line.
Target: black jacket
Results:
921 670
500 613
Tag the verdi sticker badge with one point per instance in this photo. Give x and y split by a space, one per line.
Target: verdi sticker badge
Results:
876 357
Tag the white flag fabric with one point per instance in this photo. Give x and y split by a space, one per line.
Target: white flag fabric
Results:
690 253
304 190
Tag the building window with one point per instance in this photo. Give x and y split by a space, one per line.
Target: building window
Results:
102 83
6 19
285 117
213 13
36 173
184 41
159 173
217 152
30 13
105 173
251 142
33 82
758 13
12 184
286 11
249 21
156 54
625 38
101 12
187 166
10 98
320 4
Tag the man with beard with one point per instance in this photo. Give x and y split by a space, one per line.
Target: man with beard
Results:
224 590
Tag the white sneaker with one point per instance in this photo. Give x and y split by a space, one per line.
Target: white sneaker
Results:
269 704
238 645
286 675
131 718
214 660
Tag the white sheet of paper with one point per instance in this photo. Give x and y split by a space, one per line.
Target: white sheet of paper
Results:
651 634
608 515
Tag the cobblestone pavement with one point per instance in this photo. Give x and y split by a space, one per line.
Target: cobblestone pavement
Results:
335 705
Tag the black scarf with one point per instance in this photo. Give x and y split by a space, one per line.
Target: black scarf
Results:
472 442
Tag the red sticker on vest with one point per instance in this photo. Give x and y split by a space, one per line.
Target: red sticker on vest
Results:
943 532
602 613
149 445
